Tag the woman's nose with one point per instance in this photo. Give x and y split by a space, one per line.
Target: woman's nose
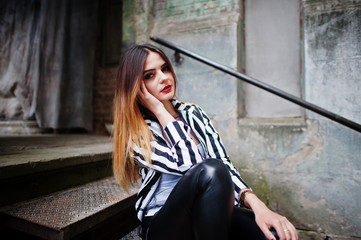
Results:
162 76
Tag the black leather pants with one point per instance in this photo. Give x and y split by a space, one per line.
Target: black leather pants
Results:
201 206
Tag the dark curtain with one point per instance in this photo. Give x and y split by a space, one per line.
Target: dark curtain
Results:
47 59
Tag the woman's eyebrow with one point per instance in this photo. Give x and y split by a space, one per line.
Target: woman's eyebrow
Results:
149 70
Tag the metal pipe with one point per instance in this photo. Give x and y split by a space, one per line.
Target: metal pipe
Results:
330 115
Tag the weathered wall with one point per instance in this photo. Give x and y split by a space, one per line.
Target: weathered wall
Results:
307 168
332 66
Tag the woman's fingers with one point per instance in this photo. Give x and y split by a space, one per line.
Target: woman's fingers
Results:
280 229
286 230
269 235
143 89
291 230
144 95
267 219
147 99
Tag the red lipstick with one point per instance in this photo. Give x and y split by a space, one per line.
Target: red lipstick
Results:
167 89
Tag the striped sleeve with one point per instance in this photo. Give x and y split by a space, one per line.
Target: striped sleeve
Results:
174 158
216 148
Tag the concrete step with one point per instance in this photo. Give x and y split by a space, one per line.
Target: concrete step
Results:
32 166
19 127
98 210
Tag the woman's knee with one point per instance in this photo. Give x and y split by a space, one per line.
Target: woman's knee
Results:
213 171
215 168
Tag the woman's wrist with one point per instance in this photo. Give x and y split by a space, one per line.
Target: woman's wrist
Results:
253 202
249 199
163 116
242 197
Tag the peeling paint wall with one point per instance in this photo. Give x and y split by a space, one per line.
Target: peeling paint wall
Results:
332 70
307 168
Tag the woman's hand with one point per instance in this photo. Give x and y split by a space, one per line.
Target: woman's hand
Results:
155 106
148 100
267 219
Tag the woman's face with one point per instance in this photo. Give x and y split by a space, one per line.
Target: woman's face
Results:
158 78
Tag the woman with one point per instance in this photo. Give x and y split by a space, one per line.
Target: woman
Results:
189 186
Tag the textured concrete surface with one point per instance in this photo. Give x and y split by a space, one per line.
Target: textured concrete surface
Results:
46 152
332 63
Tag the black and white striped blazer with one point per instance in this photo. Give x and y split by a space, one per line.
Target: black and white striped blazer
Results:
181 153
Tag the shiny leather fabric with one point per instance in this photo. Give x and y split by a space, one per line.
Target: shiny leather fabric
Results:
201 206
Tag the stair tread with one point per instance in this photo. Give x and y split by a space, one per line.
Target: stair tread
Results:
72 211
26 155
64 208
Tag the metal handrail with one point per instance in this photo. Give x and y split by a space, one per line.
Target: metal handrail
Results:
330 115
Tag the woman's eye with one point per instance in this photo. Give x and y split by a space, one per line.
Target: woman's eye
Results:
166 68
148 76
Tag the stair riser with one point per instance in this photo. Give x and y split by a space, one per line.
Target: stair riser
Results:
29 186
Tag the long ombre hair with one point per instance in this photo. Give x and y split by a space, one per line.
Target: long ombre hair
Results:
129 125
